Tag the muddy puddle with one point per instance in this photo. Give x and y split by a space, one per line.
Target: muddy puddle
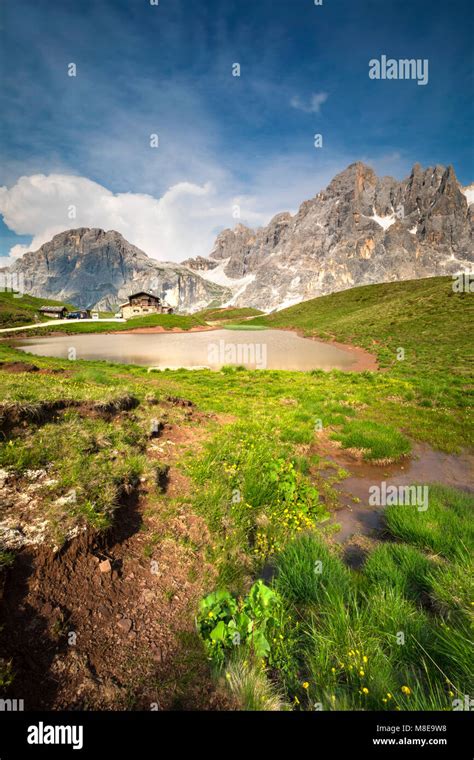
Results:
426 466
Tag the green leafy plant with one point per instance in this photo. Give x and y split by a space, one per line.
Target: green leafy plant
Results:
225 622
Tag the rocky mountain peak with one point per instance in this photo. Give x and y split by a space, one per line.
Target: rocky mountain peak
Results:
354 180
92 267
359 230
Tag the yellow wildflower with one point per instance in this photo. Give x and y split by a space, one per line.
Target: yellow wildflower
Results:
305 685
406 690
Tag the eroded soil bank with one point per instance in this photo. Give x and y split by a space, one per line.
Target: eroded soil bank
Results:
107 622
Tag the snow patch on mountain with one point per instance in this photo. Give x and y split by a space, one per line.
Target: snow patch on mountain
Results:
384 221
243 283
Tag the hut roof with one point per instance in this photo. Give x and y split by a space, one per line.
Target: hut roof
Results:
53 309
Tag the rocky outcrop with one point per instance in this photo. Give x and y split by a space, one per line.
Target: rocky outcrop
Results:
200 264
90 267
362 229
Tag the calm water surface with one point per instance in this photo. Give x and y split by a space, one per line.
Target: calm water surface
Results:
254 349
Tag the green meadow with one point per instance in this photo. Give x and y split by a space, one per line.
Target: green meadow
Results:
394 634
229 314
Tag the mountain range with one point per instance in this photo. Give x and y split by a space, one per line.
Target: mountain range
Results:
361 229
91 267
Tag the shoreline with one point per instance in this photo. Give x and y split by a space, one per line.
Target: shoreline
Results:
365 361
160 329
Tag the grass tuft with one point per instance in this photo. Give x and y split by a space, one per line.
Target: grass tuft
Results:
378 442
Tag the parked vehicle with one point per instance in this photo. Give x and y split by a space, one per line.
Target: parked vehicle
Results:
78 315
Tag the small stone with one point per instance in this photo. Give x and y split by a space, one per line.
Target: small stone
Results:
156 653
125 624
69 498
105 566
156 428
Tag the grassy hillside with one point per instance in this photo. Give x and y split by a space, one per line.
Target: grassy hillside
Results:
416 315
23 310
218 315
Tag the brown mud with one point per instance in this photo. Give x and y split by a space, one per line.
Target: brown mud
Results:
107 622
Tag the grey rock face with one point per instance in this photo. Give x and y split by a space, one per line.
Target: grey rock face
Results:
90 267
360 230
199 264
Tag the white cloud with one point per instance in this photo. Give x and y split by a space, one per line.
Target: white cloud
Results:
313 105
183 221
469 193
179 224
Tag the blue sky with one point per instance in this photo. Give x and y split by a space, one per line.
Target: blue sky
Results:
224 141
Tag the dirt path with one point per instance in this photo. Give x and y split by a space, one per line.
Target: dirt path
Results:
51 322
107 622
